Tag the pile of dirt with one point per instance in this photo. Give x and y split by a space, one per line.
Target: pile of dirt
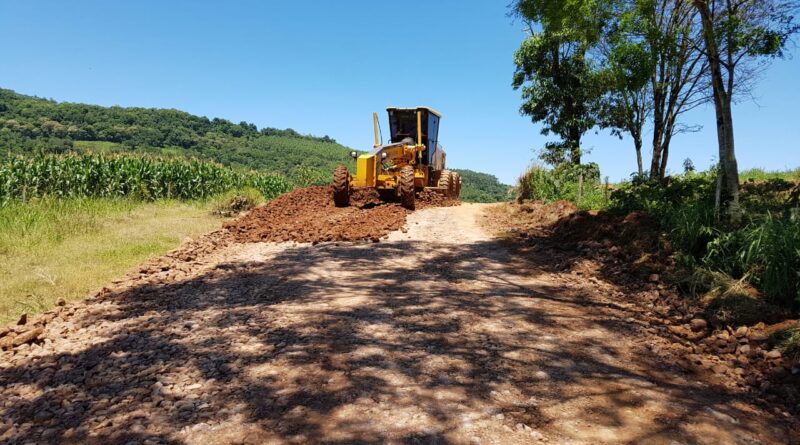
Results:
308 215
562 224
535 217
637 233
429 198
365 198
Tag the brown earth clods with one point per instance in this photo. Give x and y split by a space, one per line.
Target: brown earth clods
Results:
308 215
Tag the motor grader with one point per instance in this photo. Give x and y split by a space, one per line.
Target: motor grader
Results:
410 162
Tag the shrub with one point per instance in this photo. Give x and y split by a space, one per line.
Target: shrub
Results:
767 251
764 252
662 198
563 183
234 202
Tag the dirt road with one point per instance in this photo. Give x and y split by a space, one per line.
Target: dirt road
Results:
440 334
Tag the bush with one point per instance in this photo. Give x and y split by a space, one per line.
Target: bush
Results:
764 252
563 183
767 252
660 199
235 202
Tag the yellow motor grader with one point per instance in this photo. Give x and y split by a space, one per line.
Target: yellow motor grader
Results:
412 161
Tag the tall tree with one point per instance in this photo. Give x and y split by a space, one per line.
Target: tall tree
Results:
559 87
674 41
740 37
628 103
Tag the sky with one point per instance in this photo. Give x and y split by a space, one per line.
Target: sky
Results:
323 67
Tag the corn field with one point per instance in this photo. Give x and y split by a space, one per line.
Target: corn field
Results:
142 177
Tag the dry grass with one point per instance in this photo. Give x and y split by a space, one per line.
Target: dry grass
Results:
67 249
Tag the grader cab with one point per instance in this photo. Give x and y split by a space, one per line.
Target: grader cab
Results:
411 161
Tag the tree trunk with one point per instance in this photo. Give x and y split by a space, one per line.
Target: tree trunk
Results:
728 185
658 131
664 153
655 163
575 146
637 143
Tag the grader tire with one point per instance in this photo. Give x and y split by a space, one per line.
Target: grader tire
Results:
445 182
406 187
341 186
457 187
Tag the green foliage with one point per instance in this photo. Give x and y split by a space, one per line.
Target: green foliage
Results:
53 248
767 252
305 176
30 125
563 183
560 88
231 203
140 177
482 187
759 174
763 252
661 199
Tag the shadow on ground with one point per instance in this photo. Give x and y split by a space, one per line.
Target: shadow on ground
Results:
402 342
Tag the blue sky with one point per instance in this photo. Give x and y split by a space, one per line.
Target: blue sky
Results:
322 67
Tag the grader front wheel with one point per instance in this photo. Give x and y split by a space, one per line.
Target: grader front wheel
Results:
456 185
406 187
341 186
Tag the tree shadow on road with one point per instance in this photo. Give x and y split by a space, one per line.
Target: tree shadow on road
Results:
402 342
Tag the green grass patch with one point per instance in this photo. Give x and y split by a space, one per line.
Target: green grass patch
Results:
759 174
579 184
51 249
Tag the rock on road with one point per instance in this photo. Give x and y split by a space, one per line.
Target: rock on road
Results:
440 334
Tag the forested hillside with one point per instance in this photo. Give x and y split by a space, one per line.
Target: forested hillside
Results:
482 187
33 125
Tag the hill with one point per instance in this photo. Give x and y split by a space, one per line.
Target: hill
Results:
31 125
482 187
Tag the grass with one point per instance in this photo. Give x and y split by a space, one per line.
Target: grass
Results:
758 174
51 249
538 183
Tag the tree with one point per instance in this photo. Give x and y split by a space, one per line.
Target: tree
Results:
559 87
740 37
628 103
653 50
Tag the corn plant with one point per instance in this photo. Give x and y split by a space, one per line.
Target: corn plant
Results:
140 177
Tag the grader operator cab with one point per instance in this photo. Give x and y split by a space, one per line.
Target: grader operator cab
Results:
412 161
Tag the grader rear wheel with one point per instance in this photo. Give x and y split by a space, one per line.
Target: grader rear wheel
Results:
457 185
341 186
406 187
445 182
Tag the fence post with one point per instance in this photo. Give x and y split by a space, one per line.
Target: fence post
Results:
580 190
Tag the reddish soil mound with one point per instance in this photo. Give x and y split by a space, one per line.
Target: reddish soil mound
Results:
428 198
365 198
309 215
636 232
538 215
